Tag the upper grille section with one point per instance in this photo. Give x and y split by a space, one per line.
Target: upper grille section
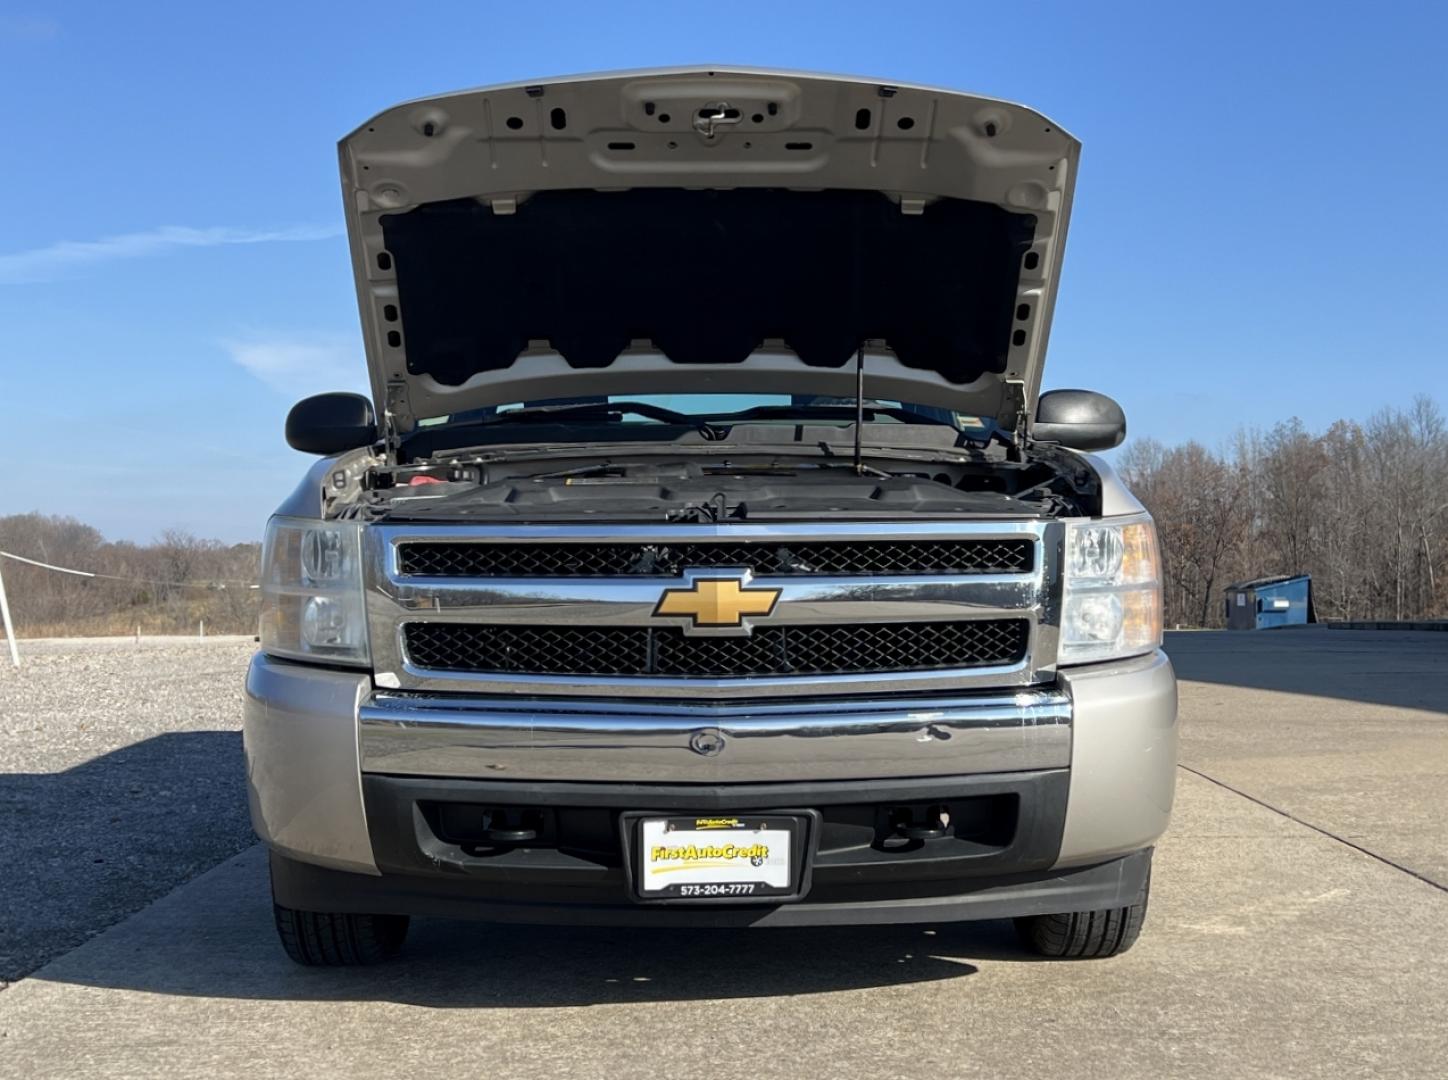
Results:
664 652
457 559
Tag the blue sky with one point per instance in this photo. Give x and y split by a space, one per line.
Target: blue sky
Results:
1259 230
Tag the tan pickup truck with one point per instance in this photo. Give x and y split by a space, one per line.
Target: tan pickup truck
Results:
706 553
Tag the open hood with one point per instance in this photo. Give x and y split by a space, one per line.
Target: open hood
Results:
706 230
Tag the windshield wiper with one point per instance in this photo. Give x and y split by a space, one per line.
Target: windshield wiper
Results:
542 414
829 412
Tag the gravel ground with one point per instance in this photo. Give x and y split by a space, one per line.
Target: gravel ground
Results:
121 777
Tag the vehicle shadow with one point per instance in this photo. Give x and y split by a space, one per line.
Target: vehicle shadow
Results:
1399 668
453 964
214 939
83 848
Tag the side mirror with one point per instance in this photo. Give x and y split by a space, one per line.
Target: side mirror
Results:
331 423
1079 419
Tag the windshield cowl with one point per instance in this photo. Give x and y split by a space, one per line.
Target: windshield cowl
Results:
740 420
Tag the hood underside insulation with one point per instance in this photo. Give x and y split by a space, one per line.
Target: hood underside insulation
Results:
706 277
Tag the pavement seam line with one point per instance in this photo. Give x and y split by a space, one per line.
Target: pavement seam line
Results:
1315 828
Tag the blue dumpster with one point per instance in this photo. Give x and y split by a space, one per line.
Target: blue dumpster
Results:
1270 602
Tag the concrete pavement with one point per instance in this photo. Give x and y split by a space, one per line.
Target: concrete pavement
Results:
1272 948
1344 729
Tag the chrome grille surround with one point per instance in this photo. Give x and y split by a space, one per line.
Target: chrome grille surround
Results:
395 599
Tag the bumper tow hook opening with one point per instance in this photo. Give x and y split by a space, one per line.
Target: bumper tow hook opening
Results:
935 826
498 830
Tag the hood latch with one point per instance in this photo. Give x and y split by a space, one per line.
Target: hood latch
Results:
710 118
1012 416
396 414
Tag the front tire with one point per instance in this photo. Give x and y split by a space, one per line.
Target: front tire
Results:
322 939
1086 935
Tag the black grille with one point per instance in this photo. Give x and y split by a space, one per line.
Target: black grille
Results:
668 652
773 558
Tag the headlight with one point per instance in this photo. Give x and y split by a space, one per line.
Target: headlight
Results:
311 591
1112 604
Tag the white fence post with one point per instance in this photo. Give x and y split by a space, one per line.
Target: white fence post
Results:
9 626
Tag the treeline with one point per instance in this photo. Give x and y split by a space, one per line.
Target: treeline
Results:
1362 507
169 586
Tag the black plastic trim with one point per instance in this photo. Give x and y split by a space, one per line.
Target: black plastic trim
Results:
1112 884
405 845
713 796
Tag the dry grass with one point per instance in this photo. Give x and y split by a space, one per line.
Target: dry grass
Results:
169 619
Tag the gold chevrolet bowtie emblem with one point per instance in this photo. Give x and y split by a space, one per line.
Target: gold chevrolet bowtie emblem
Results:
717 601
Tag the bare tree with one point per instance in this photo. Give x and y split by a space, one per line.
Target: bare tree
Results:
1199 502
163 588
1363 508
1288 472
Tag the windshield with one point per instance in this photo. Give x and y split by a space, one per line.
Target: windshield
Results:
754 408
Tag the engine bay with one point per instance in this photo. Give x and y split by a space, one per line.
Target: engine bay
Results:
727 487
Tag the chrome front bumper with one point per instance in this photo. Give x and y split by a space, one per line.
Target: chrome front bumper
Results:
311 734
615 742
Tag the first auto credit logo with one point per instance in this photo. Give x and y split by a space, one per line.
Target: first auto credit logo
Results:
755 853
693 853
716 823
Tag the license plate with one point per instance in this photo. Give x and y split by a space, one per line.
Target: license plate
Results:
723 857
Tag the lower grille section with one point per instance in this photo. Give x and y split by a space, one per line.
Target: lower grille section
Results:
666 652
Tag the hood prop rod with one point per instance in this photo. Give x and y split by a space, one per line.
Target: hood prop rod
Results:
859 409
861 469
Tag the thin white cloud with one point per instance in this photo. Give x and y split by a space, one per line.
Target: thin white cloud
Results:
297 367
60 259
